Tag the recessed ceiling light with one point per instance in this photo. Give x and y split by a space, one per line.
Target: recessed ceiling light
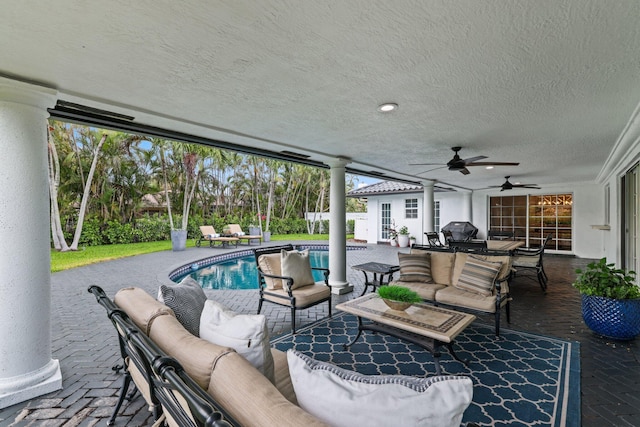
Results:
489 167
387 107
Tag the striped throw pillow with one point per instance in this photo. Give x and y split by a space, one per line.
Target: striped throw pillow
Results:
415 267
478 276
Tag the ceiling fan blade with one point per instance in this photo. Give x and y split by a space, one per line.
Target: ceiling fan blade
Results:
493 164
473 159
464 171
425 164
526 186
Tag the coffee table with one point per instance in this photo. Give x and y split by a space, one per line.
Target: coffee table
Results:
422 324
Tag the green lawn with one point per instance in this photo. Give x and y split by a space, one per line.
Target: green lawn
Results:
93 254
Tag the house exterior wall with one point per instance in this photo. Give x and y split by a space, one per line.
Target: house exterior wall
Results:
588 210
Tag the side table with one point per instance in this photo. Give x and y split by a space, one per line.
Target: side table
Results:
379 271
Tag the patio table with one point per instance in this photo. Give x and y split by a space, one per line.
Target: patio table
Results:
424 325
379 271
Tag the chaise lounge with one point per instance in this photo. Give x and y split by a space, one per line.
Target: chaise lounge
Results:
209 235
236 231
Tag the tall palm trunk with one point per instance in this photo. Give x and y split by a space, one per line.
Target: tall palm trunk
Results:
59 242
85 195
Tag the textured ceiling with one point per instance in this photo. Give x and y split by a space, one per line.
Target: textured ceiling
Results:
550 84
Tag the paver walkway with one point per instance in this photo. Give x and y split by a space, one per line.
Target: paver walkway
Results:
86 345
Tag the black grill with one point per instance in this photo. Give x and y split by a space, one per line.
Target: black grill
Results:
461 230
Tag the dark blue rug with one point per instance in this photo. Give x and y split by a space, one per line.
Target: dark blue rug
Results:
520 379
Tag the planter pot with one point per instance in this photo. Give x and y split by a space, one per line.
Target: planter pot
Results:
178 240
397 305
616 319
266 236
403 240
393 242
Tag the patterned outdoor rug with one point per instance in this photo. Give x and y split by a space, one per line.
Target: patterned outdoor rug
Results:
520 379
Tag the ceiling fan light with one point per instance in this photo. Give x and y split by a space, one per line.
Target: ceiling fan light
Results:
489 167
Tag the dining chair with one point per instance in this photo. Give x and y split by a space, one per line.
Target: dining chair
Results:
531 259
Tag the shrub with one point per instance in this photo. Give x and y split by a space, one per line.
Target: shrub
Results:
604 280
399 293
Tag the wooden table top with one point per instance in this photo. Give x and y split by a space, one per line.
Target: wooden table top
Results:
422 319
504 245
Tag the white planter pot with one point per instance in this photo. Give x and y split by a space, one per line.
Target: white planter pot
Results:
266 236
403 240
393 242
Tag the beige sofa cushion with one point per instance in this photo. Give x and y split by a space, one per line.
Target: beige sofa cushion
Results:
442 266
271 264
251 399
141 307
415 267
282 378
426 291
459 297
304 296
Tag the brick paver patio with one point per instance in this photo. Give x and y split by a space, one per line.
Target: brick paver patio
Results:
85 343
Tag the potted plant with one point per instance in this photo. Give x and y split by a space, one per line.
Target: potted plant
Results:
403 237
610 300
398 297
393 234
412 240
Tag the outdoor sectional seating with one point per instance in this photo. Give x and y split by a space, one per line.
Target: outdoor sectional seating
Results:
213 384
460 280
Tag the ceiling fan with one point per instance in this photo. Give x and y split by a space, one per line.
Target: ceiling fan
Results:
508 185
458 164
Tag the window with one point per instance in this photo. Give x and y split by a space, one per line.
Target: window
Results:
436 216
532 218
411 208
385 220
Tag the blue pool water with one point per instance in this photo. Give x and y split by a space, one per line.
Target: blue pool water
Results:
242 273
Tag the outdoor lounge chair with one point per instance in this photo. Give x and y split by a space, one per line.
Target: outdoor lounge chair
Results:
236 231
209 235
279 289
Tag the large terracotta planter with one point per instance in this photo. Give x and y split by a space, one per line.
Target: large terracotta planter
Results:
616 319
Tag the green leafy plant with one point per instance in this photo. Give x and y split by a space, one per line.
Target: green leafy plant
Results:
398 293
604 280
403 230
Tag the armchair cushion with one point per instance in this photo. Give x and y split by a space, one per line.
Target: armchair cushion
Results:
271 264
345 398
186 299
478 276
415 267
305 296
247 334
297 265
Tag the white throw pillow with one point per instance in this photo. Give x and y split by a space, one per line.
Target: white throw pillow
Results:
297 265
247 334
345 398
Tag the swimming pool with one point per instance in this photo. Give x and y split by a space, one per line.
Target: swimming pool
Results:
240 272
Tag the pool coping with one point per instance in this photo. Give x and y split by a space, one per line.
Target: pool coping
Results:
215 259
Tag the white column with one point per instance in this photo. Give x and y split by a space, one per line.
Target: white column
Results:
338 229
26 369
466 207
427 209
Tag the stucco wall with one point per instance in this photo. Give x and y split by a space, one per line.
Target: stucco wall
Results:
588 210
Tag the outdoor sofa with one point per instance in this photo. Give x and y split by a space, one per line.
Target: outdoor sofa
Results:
274 389
459 280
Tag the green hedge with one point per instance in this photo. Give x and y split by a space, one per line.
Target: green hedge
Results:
152 228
